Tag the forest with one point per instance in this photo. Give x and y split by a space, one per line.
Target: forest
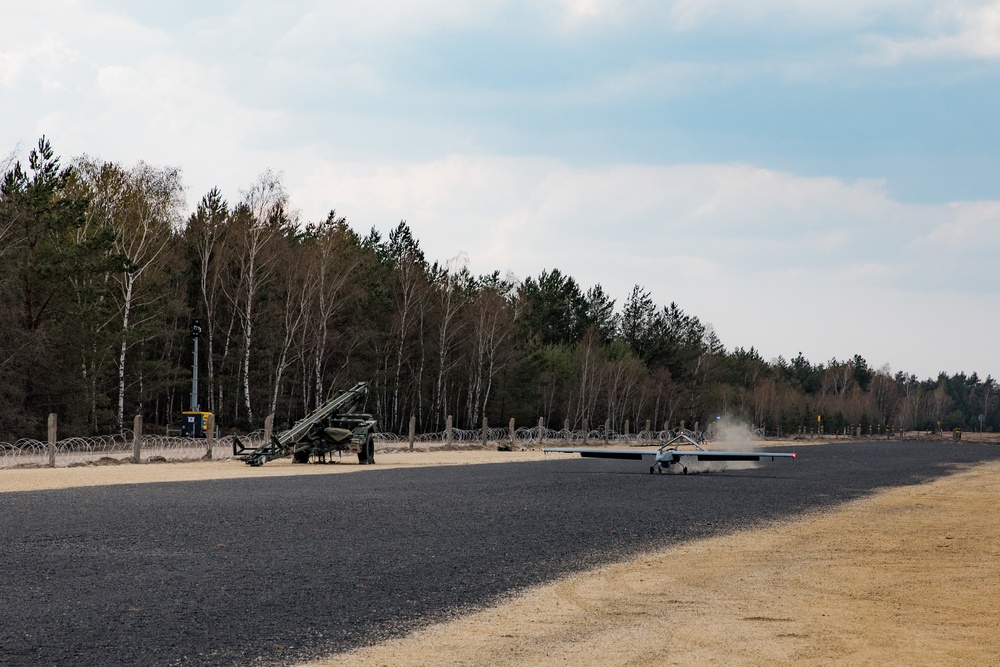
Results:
104 269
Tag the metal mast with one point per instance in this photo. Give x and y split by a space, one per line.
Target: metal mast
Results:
195 331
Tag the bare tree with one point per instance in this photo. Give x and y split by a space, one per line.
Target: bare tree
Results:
206 229
299 297
143 206
256 223
331 267
492 323
409 267
452 294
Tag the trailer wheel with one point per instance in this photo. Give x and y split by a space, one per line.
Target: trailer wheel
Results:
367 452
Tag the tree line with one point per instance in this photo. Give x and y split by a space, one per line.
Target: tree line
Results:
103 271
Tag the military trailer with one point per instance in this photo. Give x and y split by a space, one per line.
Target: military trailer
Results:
332 428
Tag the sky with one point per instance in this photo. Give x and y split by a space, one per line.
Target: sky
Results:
815 176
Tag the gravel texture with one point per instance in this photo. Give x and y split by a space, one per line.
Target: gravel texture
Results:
276 570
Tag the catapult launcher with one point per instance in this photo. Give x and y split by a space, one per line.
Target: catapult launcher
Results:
333 427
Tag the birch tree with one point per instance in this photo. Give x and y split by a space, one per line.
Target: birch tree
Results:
492 323
333 262
143 207
256 224
452 294
407 261
206 236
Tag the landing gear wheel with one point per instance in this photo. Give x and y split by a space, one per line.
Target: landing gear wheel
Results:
652 469
685 471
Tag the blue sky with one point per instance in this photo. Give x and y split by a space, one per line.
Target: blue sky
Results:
813 176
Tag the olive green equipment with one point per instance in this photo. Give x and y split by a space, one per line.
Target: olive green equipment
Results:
333 428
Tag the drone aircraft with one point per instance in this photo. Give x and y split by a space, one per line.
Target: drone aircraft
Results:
668 454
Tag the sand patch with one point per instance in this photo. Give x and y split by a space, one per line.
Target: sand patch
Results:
906 577
126 472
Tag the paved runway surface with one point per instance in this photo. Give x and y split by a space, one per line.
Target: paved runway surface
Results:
270 571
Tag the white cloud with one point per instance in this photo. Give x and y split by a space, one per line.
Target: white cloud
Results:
728 206
773 259
778 261
956 30
972 227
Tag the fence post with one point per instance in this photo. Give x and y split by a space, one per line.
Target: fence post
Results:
647 427
607 427
268 427
566 429
510 430
52 439
447 431
413 430
626 429
586 430
209 436
137 438
485 426
541 426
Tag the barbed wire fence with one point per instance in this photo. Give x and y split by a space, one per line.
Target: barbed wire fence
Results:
113 449
524 437
30 453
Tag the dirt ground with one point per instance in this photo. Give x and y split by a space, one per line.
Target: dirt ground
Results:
906 577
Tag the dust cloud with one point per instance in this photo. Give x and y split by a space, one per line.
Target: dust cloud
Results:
727 435
734 436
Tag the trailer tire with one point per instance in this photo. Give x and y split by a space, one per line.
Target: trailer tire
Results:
367 452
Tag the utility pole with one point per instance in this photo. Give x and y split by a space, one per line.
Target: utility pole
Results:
195 332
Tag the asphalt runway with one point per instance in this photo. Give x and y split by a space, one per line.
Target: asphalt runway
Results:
276 570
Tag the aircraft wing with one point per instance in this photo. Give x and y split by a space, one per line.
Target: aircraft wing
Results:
632 454
703 455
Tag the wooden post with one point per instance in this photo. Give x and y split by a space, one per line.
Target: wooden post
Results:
52 439
137 438
268 427
607 427
541 428
447 432
485 431
647 426
566 429
682 424
209 435
666 428
626 428
586 428
413 430
510 431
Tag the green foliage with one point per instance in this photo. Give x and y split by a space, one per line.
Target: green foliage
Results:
556 309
